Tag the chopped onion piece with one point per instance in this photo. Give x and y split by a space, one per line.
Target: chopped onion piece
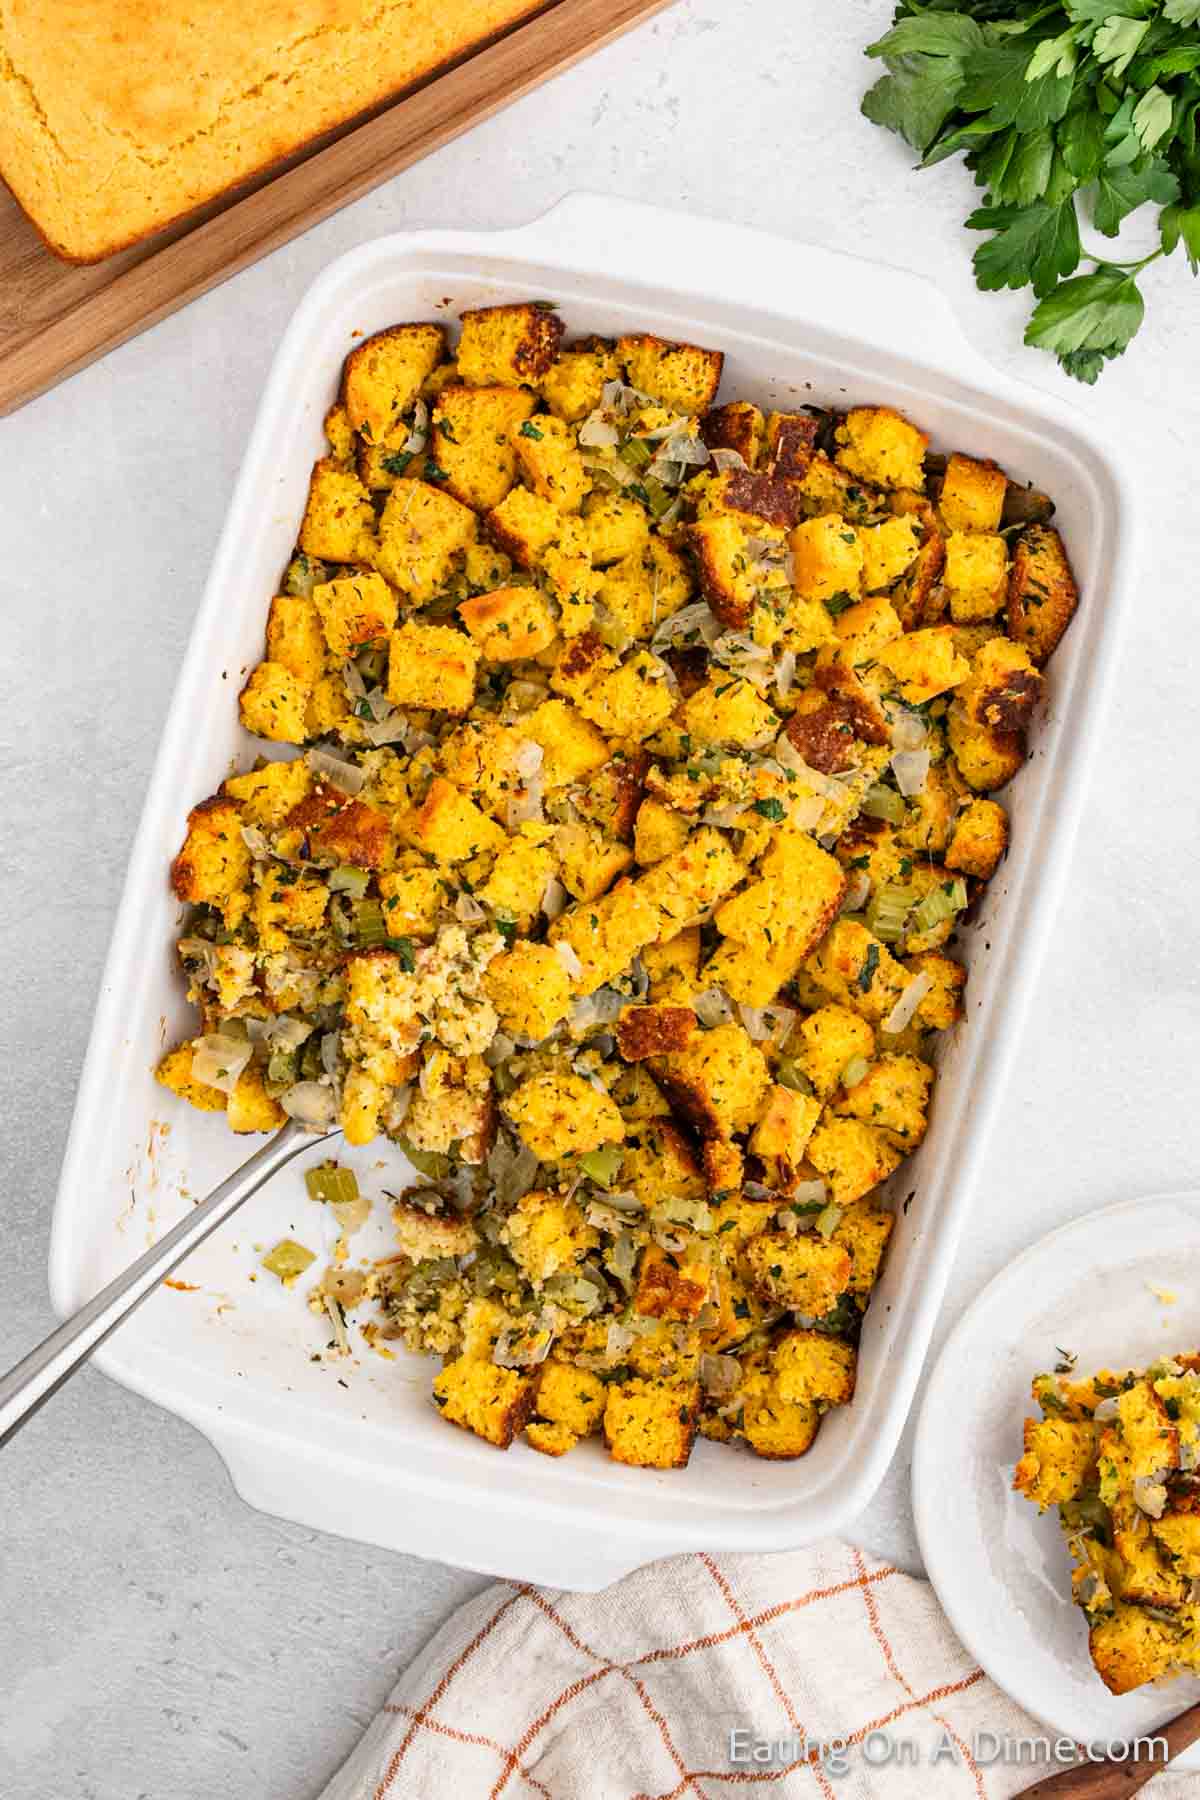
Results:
218 1060
785 672
597 434
728 459
356 687
1106 1410
344 775
713 1007
554 898
807 1193
768 1024
601 1008
908 729
569 959
828 1220
694 621
414 443
617 1342
1150 1495
351 1215
726 817
720 1376
858 890
911 769
256 843
468 909
901 1015
310 1102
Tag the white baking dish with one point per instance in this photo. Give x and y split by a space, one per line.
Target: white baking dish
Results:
361 1451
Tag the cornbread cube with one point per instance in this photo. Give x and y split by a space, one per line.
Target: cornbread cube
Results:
412 896
284 906
670 1287
1042 595
979 840
509 624
482 758
986 725
729 710
893 1095
644 1031
880 445
561 1115
942 1005
887 551
688 883
382 378
268 794
924 663
761 499
606 934
612 799
492 1402
717 1082
340 830
573 386
549 1438
814 1368
471 441
658 1164
774 1428
1141 1440
632 701
547 1233
826 488
1130 1647
972 497
1179 1535
853 1158
583 661
212 867
354 610
651 1424
174 1073
673 966
658 832
803 1273
790 445
524 526
423 534
683 377
450 827
737 426
787 1122
432 666
518 880
919 597
511 344
794 903
570 1396
724 1167
550 463
861 632
831 1038
295 639
1059 1461
857 971
644 589
530 990
328 711
339 523
589 862
827 558
976 575
272 704
615 526
339 433
863 1232
250 1107
730 580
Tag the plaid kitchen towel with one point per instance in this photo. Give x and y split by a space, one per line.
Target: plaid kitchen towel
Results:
821 1672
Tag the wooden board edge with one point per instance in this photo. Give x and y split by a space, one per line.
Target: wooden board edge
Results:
477 88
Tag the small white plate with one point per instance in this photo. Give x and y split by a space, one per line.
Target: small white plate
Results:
1001 1569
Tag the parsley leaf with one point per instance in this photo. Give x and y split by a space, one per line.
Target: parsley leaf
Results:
1097 313
1121 191
1182 12
1182 222
1034 244
925 58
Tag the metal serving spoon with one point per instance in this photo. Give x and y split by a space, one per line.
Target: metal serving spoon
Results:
44 1370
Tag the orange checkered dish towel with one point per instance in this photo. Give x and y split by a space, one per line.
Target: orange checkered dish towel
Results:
819 1673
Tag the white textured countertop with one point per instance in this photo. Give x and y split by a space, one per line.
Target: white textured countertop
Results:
159 1640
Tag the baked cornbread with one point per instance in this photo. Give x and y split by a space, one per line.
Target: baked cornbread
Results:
118 116
643 768
1119 1456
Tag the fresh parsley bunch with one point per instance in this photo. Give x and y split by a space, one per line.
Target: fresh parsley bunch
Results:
1051 101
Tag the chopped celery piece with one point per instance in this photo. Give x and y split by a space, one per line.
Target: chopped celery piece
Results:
372 664
828 1220
288 1260
659 499
940 905
636 452
329 1181
889 909
310 1059
370 926
349 880
854 1071
602 1165
434 1163
789 1074
884 803
283 1068
303 574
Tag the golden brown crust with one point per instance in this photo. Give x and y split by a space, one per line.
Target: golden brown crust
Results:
763 497
644 1031
823 732
1042 595
736 426
183 872
791 442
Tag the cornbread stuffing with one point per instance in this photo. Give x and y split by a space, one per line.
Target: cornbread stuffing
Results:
645 762
1117 1455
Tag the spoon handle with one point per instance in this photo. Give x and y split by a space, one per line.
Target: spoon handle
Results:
1108 1779
27 1386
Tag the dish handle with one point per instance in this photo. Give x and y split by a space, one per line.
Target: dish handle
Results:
851 296
438 1523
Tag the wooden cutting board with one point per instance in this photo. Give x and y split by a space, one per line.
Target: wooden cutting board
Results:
57 317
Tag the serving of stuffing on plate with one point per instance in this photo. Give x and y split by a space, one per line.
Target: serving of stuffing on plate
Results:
1119 1456
649 746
